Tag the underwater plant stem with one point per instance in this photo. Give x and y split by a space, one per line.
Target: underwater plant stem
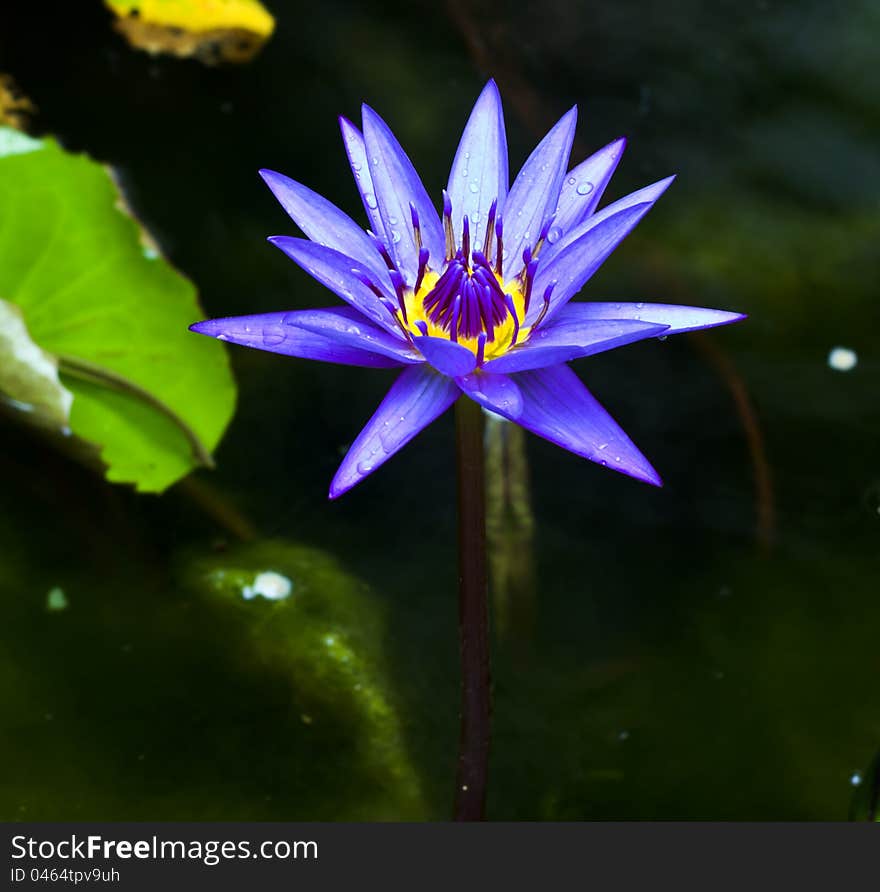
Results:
473 615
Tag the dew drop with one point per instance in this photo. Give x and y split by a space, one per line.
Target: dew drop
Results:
273 335
640 306
474 188
395 236
356 165
571 181
371 201
602 446
464 173
554 235
393 221
584 188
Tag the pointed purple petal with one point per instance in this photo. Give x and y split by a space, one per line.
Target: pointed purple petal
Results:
357 158
347 326
583 186
272 332
559 408
325 224
569 270
341 274
648 195
493 391
479 173
397 187
678 318
416 398
446 356
565 339
535 192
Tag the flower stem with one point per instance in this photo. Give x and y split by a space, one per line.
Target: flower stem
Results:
473 615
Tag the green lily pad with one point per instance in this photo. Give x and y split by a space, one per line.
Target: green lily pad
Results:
100 302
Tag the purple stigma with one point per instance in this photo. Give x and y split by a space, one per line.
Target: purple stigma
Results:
509 301
380 247
481 347
423 265
547 292
490 227
465 301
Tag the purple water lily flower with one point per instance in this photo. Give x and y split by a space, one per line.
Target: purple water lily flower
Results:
473 302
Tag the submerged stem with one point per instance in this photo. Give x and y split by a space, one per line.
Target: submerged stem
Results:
473 615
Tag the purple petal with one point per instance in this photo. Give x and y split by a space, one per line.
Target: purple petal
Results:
273 332
479 173
357 158
559 408
416 398
565 339
446 356
648 195
535 192
569 270
397 187
347 326
342 275
678 318
493 391
324 223
583 186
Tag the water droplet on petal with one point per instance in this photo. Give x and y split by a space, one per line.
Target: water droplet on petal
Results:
474 188
571 181
356 165
395 236
584 188
371 201
392 221
273 335
640 306
554 235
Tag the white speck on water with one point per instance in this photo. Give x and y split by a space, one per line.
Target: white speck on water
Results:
56 599
584 188
270 585
856 779
842 359
623 735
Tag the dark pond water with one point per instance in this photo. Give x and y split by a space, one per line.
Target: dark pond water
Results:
705 650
